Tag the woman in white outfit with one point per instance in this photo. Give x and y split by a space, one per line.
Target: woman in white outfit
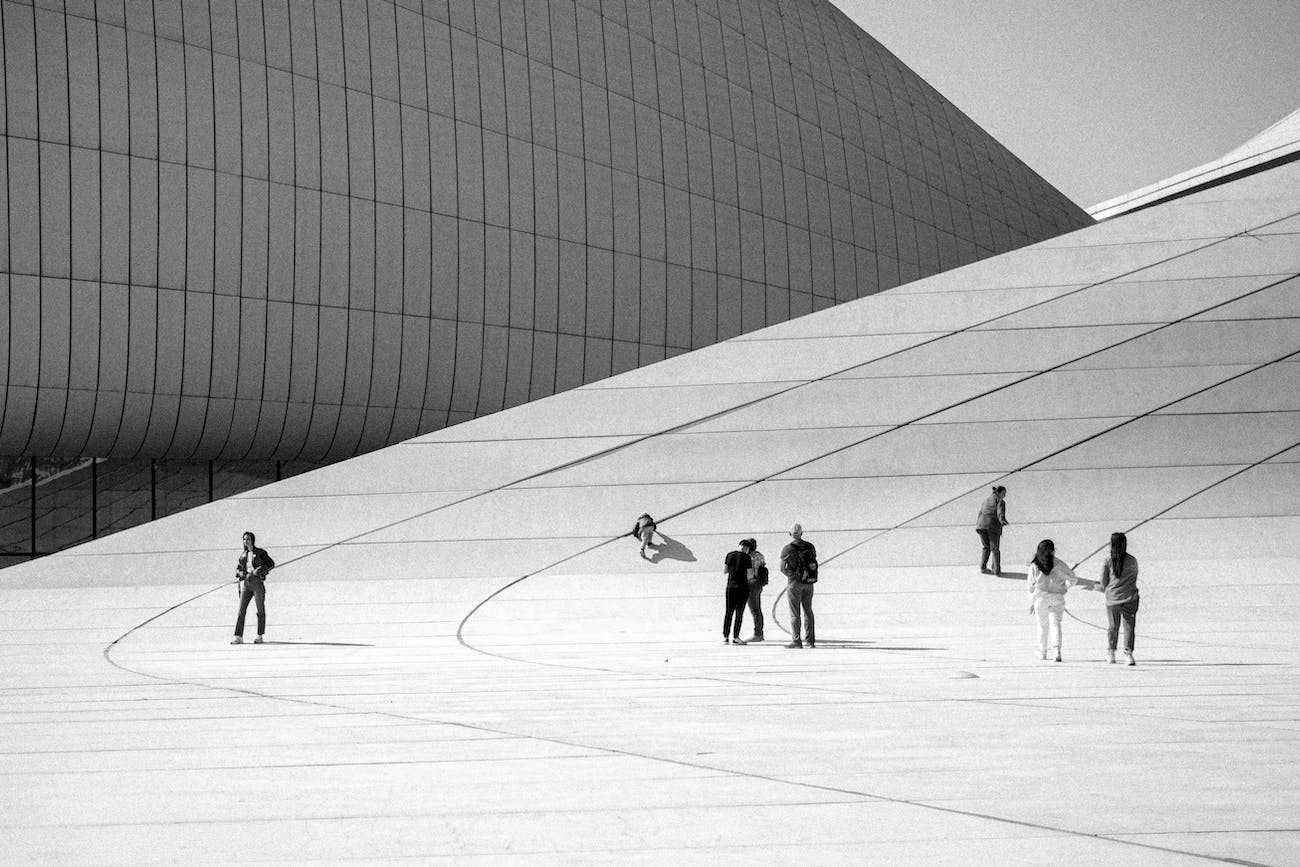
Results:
1049 579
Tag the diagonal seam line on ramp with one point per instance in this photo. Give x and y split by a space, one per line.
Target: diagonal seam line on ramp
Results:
107 650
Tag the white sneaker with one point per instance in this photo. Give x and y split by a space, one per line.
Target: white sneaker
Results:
1129 657
1110 657
257 640
1058 654
738 641
238 640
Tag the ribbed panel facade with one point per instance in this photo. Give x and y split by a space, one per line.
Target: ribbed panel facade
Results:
271 229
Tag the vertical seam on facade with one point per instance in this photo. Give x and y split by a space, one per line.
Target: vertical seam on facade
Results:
9 238
253 438
428 283
613 242
559 272
374 250
509 229
242 178
67 96
401 172
293 243
455 159
40 247
347 275
305 436
185 252
157 236
207 398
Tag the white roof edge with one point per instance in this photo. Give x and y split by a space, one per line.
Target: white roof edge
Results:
1279 140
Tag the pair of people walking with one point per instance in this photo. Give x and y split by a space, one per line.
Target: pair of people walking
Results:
1049 580
747 575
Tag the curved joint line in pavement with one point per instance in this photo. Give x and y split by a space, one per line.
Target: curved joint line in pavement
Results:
460 628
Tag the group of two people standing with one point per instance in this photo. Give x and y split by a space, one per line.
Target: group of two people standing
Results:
747 575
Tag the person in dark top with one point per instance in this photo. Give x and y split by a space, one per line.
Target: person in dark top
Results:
736 567
644 531
1119 575
799 566
758 578
251 571
990 520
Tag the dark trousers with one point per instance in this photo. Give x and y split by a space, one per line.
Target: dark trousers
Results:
736 599
801 595
1128 612
992 542
254 588
756 608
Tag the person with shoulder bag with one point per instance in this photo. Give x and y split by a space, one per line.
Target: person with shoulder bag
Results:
799 565
758 578
251 570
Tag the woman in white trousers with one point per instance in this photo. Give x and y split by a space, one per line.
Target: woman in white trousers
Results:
1049 579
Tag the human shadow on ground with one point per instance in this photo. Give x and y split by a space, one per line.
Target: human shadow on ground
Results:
671 549
1145 661
1084 583
845 644
320 643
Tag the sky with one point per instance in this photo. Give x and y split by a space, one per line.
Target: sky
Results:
1102 97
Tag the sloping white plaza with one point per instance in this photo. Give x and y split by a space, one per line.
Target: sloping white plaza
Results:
467 660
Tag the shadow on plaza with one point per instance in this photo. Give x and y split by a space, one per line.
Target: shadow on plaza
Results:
320 643
671 549
852 644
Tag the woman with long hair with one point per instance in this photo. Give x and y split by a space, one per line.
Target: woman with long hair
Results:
1049 579
1119 575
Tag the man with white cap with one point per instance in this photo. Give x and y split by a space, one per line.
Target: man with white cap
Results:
799 566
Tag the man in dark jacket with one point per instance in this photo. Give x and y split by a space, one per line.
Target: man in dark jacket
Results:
799 566
989 521
251 571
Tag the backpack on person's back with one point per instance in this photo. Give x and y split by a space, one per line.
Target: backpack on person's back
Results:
802 563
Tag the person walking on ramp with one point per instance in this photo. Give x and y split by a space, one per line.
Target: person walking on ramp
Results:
645 531
251 571
1119 577
736 567
1049 579
799 566
990 520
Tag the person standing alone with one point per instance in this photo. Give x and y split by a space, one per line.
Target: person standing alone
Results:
251 571
736 567
799 566
989 522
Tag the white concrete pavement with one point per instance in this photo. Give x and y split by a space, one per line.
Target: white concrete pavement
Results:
468 662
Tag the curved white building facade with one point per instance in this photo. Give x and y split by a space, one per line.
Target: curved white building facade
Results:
299 231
